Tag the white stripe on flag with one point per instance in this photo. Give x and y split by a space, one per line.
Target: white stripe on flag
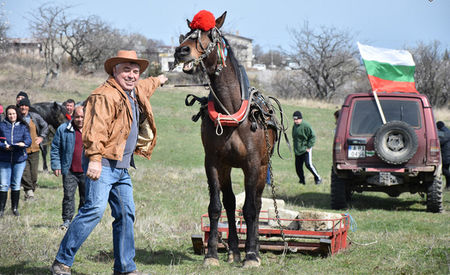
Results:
394 57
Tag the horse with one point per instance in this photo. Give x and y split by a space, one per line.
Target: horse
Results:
54 114
233 136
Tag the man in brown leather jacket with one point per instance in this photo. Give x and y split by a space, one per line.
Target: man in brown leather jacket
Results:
118 122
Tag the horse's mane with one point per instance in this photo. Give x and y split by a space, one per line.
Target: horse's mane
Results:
234 61
240 72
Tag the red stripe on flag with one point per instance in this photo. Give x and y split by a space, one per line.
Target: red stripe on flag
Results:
383 85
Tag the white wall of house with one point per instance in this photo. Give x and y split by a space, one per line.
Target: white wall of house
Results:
242 48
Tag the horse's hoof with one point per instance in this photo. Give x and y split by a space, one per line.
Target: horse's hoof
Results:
234 258
252 263
210 262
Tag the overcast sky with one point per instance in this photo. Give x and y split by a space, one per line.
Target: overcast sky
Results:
380 23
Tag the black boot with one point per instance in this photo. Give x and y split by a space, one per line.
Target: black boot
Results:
3 197
15 195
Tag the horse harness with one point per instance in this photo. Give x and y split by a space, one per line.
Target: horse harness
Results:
254 105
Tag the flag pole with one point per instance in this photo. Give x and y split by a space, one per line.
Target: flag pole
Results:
380 110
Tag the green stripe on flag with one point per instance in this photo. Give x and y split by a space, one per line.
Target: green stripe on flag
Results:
390 72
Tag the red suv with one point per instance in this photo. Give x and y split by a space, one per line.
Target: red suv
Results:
402 155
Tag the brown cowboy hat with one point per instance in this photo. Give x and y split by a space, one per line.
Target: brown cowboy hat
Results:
124 57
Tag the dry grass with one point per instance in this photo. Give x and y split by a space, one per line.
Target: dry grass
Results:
310 103
23 73
442 114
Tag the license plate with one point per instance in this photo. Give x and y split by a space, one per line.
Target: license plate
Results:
356 151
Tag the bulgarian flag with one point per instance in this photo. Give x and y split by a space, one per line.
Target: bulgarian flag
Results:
389 70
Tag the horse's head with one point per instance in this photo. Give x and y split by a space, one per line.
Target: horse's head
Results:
197 45
60 114
52 112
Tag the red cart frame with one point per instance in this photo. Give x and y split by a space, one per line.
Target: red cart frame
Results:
324 243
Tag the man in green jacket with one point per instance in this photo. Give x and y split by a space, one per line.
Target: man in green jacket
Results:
304 139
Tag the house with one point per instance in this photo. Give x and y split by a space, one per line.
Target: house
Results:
166 58
23 46
242 48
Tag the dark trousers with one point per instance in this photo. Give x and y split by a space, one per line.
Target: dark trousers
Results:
70 183
305 158
30 174
446 172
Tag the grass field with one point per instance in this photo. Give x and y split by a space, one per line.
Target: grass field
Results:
393 235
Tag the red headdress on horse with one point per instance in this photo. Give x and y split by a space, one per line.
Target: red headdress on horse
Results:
203 20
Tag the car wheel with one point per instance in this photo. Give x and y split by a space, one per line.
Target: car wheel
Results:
434 196
339 192
395 142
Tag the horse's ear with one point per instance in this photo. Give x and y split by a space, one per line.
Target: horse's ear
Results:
220 20
188 23
55 104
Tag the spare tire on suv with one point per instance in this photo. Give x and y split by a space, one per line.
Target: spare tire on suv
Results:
395 142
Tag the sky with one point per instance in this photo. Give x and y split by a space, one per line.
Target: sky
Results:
395 24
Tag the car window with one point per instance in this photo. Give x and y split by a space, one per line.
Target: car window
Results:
366 119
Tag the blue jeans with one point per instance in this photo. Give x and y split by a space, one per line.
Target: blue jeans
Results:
10 175
114 187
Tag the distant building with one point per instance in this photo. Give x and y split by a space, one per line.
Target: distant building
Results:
23 46
242 48
166 58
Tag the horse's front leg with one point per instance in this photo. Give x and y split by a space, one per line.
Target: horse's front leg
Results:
44 151
254 186
229 202
214 208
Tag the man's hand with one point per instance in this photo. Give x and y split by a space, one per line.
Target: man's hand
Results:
94 170
162 79
20 144
39 140
57 172
308 150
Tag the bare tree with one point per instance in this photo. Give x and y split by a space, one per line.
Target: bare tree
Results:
326 57
4 26
87 40
257 53
432 72
272 57
45 25
110 41
152 54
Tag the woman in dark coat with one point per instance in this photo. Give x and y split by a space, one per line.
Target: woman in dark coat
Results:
14 139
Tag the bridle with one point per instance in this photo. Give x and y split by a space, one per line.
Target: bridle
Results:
216 39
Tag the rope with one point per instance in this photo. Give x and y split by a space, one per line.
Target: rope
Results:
219 127
353 226
362 244
211 89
